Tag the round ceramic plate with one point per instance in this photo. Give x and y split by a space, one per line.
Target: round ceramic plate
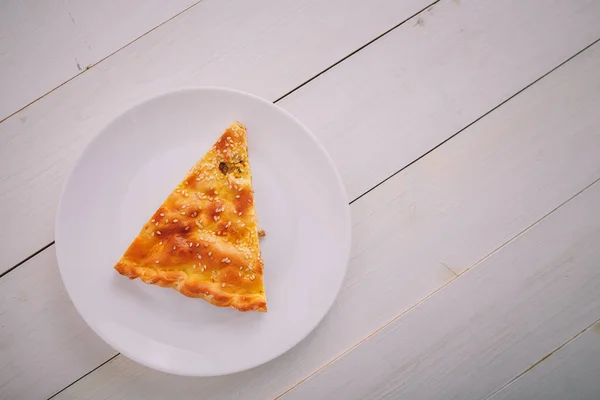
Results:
130 168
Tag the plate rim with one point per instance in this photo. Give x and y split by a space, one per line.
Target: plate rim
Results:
186 89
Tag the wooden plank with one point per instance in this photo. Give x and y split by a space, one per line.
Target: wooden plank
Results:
267 47
43 43
430 75
489 324
571 372
449 209
40 356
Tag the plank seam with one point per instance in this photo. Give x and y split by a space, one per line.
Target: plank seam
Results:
83 376
87 68
541 360
356 51
478 119
26 259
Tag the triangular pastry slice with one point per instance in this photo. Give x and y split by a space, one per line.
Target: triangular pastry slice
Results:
203 240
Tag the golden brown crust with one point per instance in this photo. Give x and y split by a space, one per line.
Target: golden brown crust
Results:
203 240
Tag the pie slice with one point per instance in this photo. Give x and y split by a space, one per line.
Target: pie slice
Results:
203 240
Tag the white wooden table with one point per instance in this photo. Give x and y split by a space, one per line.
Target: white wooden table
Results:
467 133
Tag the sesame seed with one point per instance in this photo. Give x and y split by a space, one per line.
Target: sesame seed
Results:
237 196
191 244
186 228
242 224
252 278
228 224
152 234
222 284
240 189
210 253
194 266
249 201
239 274
162 215
216 217
153 220
183 213
216 193
240 213
197 244
156 262
156 224
158 232
167 221
197 179
183 206
226 260
160 243
175 220
199 257
174 247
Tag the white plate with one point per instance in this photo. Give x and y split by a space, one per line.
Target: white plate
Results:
125 174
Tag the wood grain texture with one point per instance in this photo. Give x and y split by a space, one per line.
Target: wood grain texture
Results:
266 47
435 76
488 325
44 343
448 210
570 372
43 43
